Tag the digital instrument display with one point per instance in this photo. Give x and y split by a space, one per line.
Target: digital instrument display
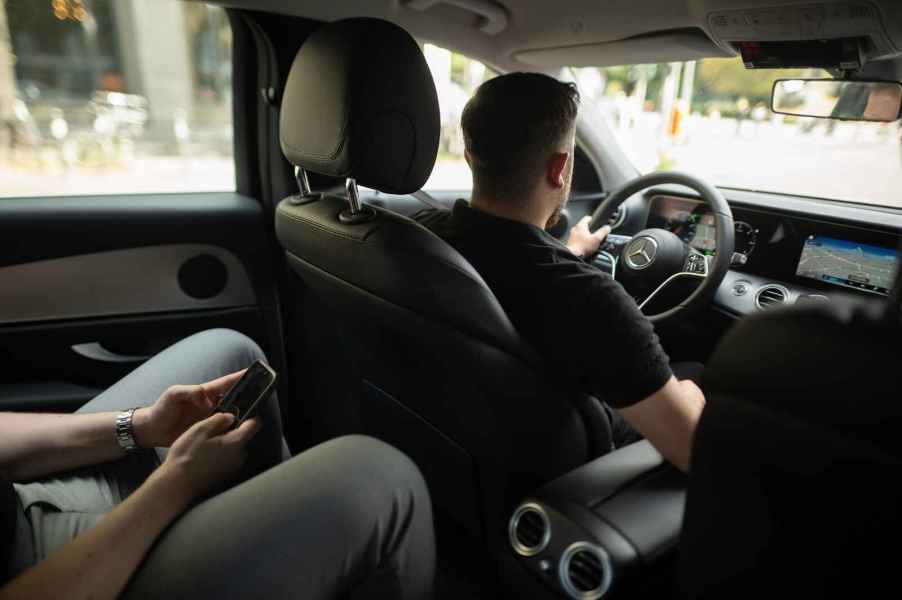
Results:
849 264
693 222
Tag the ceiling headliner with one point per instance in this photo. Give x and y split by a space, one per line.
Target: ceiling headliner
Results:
542 34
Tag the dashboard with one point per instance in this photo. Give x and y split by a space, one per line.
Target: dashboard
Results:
801 256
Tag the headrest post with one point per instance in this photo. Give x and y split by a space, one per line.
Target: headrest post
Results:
353 197
304 194
356 212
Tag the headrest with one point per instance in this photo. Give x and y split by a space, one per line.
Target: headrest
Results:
360 102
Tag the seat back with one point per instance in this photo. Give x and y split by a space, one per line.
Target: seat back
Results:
797 457
434 364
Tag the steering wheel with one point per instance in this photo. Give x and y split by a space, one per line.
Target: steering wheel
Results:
654 258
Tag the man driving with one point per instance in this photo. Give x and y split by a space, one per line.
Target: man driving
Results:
519 135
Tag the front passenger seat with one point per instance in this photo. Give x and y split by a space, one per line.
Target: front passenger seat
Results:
794 484
438 369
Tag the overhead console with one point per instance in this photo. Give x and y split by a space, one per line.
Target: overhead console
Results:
844 34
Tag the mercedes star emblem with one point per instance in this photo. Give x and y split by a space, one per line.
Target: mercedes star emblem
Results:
641 252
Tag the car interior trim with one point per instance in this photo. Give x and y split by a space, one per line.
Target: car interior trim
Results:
117 282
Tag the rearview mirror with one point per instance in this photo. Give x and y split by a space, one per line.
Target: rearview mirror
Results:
835 99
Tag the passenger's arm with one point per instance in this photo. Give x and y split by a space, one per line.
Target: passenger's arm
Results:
33 445
99 563
668 419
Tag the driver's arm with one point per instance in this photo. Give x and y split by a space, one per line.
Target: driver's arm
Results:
615 355
668 418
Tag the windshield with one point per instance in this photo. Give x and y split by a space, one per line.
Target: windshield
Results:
712 118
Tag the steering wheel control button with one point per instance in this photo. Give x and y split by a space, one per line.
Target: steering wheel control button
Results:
696 263
641 252
614 243
741 288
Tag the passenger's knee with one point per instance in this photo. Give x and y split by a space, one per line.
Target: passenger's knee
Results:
395 470
232 345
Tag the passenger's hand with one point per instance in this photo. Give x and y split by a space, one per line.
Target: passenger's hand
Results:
583 242
180 407
206 455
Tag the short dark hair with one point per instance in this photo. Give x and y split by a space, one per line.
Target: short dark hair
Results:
512 125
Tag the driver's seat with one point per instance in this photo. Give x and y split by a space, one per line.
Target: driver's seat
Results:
435 366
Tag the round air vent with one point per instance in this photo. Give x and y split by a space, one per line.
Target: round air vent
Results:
529 529
585 571
771 296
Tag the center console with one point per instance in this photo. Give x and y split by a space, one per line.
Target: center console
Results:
608 529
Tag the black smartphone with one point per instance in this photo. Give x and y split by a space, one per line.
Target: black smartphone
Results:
255 386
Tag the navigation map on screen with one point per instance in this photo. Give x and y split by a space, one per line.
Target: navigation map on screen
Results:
850 264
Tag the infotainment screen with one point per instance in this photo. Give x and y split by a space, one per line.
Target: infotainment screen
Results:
850 264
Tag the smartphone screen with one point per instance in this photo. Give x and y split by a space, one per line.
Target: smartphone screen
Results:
243 398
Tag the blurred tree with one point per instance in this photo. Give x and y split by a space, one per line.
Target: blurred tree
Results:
726 80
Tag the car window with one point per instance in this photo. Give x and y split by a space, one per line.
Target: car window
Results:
111 97
712 118
456 79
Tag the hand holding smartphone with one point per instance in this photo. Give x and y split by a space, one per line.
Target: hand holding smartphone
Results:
243 399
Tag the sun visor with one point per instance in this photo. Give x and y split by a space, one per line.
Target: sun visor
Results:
666 46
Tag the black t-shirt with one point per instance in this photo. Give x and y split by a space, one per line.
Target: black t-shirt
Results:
581 321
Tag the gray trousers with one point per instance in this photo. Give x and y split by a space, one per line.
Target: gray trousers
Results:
349 518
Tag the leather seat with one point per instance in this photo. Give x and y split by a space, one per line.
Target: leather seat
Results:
794 480
435 366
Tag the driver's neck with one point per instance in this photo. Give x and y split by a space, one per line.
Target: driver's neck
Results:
529 212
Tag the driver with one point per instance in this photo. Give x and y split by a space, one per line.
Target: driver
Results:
519 141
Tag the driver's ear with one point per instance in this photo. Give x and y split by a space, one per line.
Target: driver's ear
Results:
556 169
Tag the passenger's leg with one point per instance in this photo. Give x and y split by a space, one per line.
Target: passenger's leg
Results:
60 507
201 357
349 518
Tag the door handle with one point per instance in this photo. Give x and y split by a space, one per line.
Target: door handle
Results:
95 351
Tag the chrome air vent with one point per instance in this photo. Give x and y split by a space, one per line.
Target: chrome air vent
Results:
771 296
585 571
529 529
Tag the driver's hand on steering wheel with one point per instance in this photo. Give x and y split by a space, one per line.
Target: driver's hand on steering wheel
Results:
583 242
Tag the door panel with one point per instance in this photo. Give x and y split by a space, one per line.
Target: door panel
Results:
120 282
92 286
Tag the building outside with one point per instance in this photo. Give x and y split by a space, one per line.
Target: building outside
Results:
100 84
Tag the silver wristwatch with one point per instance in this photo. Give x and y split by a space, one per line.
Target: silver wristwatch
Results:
125 432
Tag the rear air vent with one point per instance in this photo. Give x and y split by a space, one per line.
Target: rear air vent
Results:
585 571
529 530
771 296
